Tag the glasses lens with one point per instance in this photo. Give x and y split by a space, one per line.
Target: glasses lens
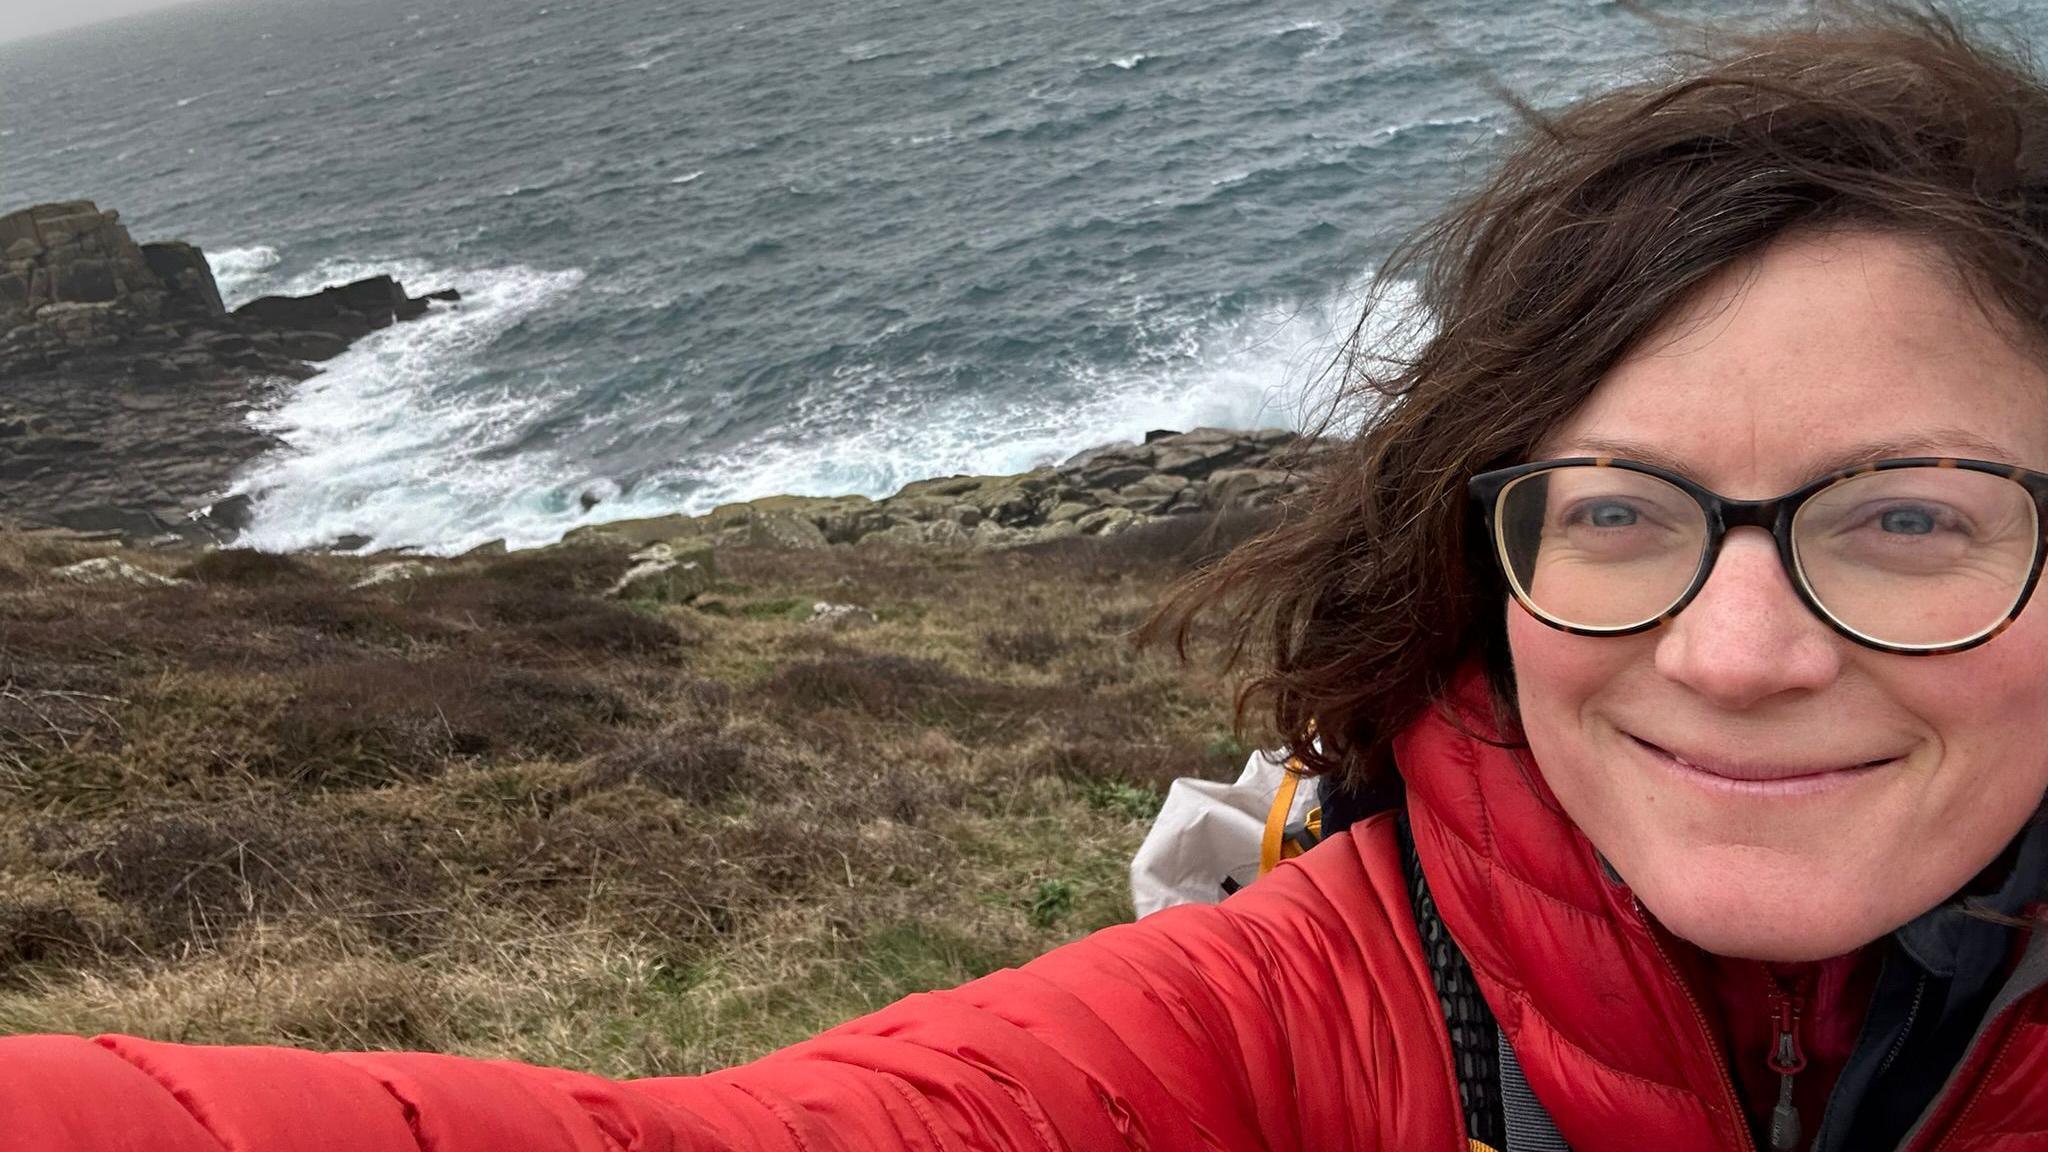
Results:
1918 557
1598 548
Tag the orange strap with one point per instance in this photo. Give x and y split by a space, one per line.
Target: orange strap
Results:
1276 823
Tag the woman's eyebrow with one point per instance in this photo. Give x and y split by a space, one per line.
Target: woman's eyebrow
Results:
1942 441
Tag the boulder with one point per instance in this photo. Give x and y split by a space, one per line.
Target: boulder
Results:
669 574
828 615
943 486
645 531
1152 494
231 513
1238 488
350 310
784 530
1188 499
187 278
113 570
392 572
1106 522
1116 475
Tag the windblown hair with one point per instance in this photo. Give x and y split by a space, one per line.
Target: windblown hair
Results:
1352 616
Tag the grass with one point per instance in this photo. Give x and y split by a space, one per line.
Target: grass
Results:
489 811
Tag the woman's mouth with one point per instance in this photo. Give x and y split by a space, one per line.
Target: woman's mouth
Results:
1755 777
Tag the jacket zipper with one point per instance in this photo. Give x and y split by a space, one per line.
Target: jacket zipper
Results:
1786 1060
1912 1015
1730 1102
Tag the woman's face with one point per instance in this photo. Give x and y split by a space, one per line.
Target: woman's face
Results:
1824 346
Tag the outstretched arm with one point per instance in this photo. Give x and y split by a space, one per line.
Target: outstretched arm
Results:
1286 1017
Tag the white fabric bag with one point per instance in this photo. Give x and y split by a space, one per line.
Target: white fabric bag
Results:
1208 830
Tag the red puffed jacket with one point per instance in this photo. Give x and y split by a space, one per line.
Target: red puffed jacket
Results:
1298 1015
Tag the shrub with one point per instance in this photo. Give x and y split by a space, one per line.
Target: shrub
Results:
694 763
246 567
376 721
1033 647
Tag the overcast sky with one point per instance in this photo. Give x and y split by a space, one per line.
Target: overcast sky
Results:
19 18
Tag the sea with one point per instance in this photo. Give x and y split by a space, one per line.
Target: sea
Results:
722 249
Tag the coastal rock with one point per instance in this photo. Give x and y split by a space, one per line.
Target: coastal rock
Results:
1240 488
1096 493
113 570
349 311
1153 494
651 530
391 572
187 278
127 382
1106 522
666 573
829 615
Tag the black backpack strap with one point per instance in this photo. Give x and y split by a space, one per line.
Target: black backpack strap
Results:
1501 1111
1528 1125
1475 1036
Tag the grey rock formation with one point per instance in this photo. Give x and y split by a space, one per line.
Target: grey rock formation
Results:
1097 493
125 383
667 573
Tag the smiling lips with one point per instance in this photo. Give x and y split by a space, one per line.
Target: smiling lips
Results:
1761 776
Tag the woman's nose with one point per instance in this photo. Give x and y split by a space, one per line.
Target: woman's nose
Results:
1748 636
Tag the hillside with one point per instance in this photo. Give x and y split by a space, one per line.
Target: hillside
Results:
478 805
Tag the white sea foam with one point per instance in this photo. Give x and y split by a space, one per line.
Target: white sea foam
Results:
685 179
868 50
242 273
1132 61
1267 371
1393 130
1327 30
396 440
392 440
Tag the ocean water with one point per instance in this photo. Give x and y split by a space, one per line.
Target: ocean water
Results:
718 250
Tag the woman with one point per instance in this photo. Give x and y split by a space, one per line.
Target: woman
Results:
1677 614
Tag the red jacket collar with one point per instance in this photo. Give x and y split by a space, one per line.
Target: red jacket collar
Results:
1605 1028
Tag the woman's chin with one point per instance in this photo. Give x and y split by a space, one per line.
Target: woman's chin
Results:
1782 919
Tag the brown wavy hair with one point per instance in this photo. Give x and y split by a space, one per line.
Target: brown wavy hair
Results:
1351 616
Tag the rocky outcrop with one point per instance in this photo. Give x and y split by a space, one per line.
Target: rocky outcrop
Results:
125 382
311 325
1100 492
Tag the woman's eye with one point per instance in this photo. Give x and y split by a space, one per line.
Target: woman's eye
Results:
1908 521
1607 514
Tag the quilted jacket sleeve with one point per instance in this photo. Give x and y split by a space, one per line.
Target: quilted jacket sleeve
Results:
1215 1027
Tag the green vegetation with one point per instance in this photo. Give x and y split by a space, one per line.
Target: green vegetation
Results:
486 810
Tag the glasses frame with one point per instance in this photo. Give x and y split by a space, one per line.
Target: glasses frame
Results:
1775 516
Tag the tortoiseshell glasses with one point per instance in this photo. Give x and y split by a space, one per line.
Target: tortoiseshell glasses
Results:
1921 555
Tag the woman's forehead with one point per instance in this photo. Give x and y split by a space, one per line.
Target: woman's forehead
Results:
1824 351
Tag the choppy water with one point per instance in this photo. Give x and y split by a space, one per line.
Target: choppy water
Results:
716 250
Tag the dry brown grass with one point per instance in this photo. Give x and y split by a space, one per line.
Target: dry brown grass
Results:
488 811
